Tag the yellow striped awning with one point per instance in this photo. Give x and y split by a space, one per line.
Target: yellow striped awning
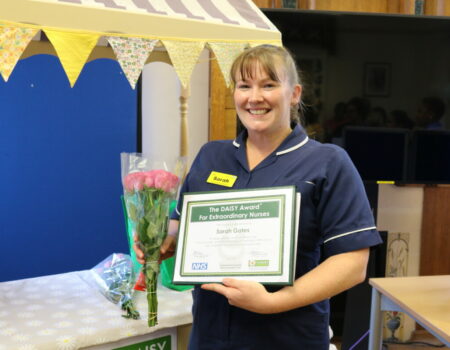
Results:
193 24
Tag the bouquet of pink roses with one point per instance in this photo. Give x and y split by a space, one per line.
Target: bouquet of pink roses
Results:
149 187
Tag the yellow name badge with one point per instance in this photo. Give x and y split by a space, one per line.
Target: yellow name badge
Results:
221 179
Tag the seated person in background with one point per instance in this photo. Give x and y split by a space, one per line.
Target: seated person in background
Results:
313 128
330 125
356 111
355 114
430 112
399 119
376 117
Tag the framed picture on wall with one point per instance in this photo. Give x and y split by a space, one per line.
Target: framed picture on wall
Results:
377 79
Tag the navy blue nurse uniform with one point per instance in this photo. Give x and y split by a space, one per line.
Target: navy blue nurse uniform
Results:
335 217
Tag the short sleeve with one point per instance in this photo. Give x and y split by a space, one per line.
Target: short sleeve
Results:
346 219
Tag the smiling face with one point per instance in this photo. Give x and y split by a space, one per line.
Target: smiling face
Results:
263 101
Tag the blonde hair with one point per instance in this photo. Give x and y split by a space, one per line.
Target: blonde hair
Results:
270 58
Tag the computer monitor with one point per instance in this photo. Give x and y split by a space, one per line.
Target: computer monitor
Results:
430 156
379 154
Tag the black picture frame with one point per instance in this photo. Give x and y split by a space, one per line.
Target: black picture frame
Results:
377 79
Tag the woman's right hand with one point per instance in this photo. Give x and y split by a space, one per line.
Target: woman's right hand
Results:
167 248
138 251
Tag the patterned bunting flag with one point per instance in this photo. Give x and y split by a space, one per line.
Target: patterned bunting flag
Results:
184 56
13 42
132 53
73 50
225 54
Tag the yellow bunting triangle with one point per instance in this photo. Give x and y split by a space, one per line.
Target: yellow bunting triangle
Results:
13 42
132 53
184 56
225 54
73 50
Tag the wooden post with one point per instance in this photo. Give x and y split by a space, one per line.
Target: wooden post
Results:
185 94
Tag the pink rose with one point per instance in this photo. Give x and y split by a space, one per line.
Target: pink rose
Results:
134 182
160 179
149 179
165 180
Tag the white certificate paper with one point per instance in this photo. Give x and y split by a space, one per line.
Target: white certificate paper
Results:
247 234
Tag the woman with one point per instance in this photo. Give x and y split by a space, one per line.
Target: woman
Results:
336 223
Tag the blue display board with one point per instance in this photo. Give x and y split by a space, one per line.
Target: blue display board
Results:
60 182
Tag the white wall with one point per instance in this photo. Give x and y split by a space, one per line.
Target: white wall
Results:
400 210
198 106
161 90
160 110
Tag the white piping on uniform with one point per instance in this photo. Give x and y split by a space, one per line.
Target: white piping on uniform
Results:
310 182
176 209
236 144
293 148
349 233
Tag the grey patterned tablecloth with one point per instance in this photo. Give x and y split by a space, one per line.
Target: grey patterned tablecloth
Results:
63 312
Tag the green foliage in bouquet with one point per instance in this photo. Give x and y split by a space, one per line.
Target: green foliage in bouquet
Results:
147 199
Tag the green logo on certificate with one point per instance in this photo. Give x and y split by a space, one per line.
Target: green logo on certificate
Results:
253 263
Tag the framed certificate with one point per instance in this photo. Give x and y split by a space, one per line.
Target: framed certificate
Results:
248 234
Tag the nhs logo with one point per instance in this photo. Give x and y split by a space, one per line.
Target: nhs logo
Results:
199 266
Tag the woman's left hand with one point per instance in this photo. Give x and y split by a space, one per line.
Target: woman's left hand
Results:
248 295
334 275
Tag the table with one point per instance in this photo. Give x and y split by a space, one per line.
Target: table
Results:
426 299
65 312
